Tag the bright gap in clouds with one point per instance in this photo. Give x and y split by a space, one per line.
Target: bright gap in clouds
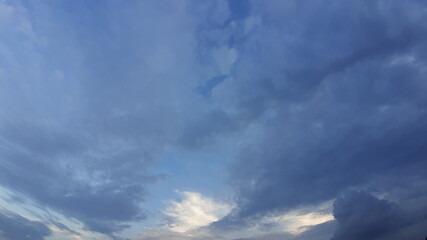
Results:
193 211
301 220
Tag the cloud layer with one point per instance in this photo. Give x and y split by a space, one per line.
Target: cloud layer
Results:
335 98
13 226
309 101
362 216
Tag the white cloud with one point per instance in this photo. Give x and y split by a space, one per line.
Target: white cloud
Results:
290 224
194 211
189 215
300 220
225 58
186 218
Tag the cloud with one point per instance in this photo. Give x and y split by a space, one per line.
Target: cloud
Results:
193 211
13 226
300 220
330 104
188 217
316 98
321 231
153 234
73 142
203 131
299 223
90 196
362 216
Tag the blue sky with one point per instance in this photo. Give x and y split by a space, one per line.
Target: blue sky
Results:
231 120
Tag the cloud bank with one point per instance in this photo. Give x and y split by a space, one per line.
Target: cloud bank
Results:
336 101
14 226
310 101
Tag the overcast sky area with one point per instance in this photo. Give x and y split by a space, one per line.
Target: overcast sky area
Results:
213 120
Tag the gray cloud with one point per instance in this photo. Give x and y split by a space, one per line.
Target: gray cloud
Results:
203 130
337 97
362 216
86 119
102 206
14 226
322 97
359 215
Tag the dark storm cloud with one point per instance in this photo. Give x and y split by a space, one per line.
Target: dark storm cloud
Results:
13 226
338 93
362 216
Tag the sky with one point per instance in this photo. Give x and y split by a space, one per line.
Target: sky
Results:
213 120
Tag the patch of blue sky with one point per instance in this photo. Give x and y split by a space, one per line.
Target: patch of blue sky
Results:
207 88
